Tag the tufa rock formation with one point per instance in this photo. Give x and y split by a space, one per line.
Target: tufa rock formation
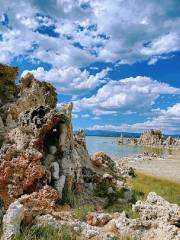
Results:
42 164
37 146
159 220
156 138
152 138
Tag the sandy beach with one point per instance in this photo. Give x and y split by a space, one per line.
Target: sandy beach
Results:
167 168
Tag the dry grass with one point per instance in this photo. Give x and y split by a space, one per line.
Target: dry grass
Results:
126 237
169 190
47 233
81 212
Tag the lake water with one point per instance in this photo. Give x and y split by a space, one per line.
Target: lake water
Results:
105 144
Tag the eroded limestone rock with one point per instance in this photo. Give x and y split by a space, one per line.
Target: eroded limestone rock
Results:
55 170
37 145
158 220
153 138
12 220
38 203
59 185
102 160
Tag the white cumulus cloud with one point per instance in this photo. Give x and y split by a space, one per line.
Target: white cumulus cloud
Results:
126 95
71 80
89 31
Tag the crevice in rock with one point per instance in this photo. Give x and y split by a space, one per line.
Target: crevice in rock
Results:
37 116
53 155
52 137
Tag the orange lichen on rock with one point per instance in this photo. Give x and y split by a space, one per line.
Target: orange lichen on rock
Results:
38 203
36 140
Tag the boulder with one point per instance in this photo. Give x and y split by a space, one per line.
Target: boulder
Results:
103 161
12 220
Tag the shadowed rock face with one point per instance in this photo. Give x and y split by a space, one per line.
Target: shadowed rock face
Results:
8 73
37 146
8 88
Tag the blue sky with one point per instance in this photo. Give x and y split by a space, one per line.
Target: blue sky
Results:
118 62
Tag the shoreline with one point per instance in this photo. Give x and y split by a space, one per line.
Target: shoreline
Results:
164 168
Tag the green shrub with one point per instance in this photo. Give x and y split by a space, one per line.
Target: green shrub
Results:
125 237
102 190
70 198
137 195
130 213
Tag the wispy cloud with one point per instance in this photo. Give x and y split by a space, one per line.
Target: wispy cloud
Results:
167 121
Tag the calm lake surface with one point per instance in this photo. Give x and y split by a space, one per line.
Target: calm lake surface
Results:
105 144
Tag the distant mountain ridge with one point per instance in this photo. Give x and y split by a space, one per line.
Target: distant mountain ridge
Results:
105 133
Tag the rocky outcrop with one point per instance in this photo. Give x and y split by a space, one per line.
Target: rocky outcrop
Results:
43 164
158 220
112 168
38 203
103 161
37 145
152 138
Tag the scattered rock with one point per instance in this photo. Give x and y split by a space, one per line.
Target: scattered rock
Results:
158 220
98 219
45 220
86 230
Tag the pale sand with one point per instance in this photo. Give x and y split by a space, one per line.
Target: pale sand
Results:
168 168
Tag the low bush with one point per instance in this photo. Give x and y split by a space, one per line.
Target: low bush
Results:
102 190
71 199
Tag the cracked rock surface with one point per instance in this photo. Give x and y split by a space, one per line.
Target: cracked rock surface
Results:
37 145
